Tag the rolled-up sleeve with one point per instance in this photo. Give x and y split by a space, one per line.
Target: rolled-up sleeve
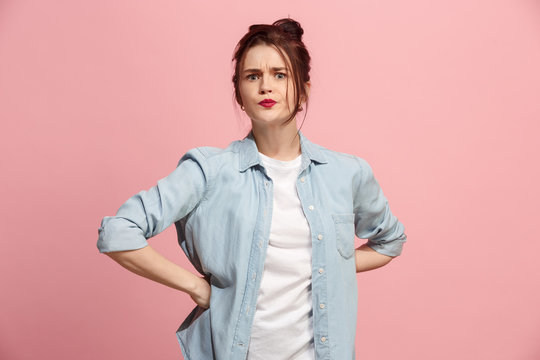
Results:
373 219
151 211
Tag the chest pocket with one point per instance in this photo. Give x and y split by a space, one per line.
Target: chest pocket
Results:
344 225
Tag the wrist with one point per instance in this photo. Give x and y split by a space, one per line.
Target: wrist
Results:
192 284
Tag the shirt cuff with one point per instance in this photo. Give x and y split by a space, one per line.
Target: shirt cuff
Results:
118 234
391 248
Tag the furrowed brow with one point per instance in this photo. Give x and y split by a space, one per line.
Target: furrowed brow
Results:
259 70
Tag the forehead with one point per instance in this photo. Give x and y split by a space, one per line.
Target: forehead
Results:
263 56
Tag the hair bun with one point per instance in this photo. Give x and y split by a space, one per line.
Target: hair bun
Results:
291 27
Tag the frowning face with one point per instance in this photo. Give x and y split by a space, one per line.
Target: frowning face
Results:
266 90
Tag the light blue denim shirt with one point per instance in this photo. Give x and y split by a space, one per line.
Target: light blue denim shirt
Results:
220 201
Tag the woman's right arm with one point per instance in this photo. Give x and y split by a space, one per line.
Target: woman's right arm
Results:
152 265
123 237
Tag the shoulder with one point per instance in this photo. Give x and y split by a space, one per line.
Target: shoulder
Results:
209 157
215 155
341 159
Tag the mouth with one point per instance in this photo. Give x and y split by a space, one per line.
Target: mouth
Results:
267 103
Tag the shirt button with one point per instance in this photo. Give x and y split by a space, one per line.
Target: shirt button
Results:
323 339
319 236
311 207
302 179
321 270
321 306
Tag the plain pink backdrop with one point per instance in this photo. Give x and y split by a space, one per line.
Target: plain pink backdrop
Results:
99 99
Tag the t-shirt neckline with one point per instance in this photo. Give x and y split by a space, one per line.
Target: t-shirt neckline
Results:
282 163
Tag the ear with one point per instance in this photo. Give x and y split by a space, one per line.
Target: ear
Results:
239 100
308 88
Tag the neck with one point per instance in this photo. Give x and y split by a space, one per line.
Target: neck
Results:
279 142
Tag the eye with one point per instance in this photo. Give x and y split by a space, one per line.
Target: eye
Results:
281 75
252 77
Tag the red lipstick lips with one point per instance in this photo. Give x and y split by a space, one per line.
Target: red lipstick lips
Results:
267 103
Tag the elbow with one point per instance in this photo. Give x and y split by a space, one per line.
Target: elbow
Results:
123 256
118 256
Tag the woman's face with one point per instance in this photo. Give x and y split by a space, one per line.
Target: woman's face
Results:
264 77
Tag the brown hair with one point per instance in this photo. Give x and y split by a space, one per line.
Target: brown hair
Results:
286 36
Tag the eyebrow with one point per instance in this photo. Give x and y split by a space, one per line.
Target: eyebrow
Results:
259 70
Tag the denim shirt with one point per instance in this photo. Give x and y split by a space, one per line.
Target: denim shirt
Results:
220 201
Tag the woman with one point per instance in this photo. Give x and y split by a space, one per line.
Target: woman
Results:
269 222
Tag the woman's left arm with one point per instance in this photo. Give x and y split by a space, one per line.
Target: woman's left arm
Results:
375 222
368 259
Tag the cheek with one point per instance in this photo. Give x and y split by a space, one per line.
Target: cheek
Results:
243 91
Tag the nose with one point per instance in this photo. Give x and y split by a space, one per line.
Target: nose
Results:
265 86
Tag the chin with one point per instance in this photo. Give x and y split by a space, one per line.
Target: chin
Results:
270 118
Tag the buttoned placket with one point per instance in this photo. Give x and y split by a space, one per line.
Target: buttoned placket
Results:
318 278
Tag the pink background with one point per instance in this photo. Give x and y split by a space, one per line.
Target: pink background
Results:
99 99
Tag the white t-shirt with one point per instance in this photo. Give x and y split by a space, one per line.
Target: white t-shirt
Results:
282 326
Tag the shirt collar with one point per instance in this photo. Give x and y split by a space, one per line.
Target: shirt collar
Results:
249 153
